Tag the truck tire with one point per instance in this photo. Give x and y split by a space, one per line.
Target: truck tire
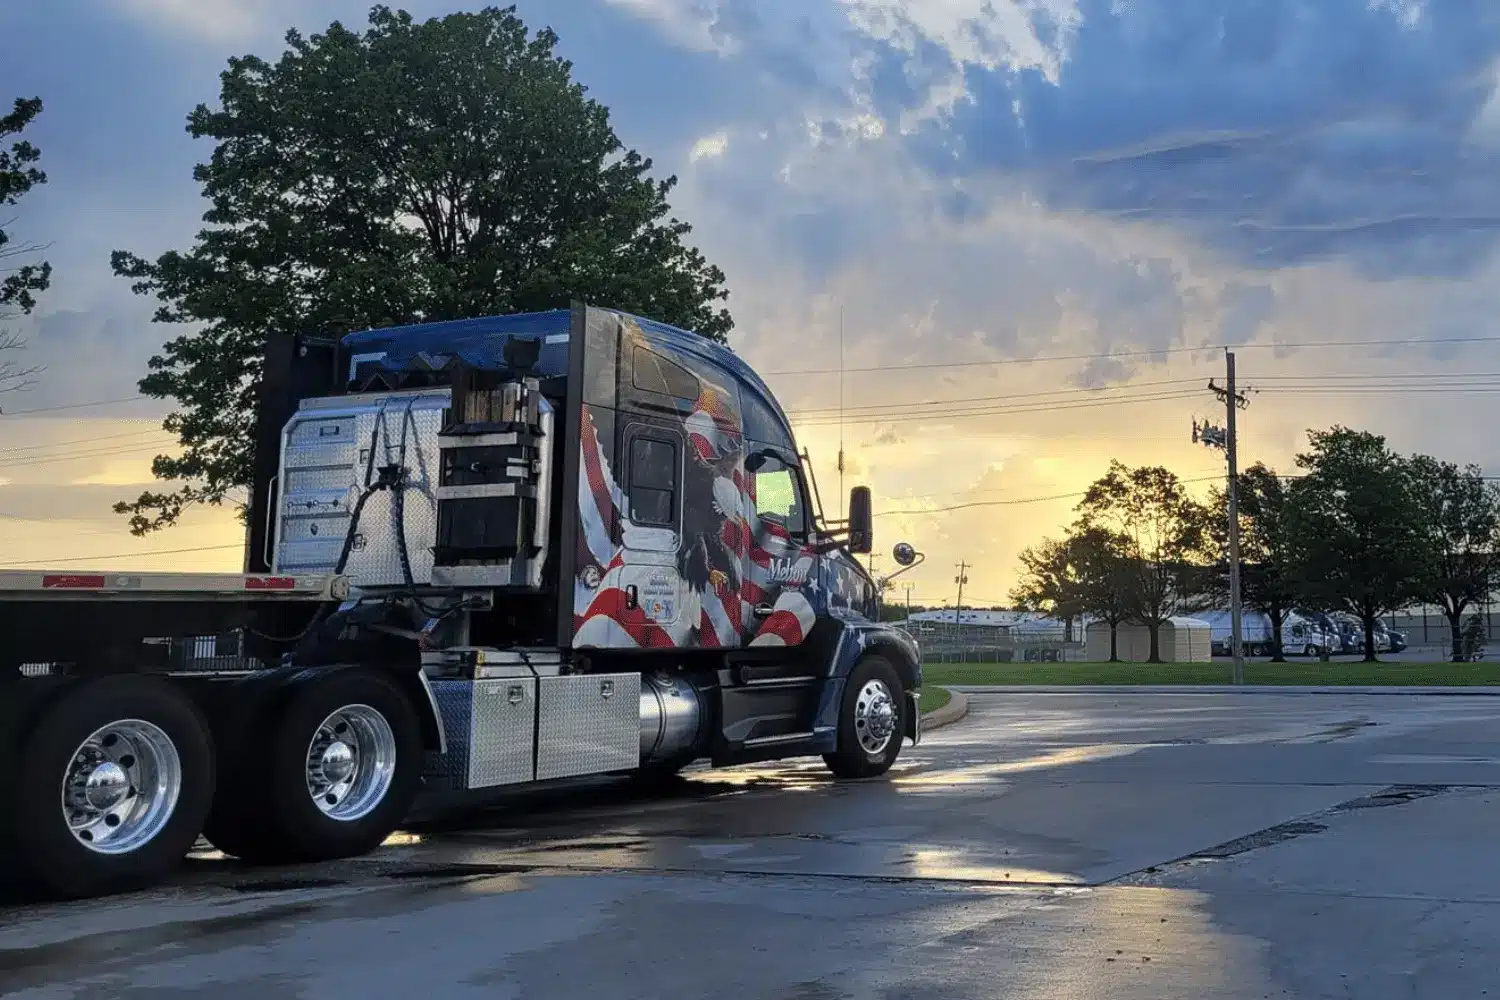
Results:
342 772
871 721
113 786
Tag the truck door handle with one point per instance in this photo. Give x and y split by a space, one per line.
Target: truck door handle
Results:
764 611
632 598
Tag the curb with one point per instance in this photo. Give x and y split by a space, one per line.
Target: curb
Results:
957 708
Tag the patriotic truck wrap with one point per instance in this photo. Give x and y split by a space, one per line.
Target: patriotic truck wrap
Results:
482 554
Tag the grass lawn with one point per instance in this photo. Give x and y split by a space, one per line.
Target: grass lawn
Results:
933 698
1314 673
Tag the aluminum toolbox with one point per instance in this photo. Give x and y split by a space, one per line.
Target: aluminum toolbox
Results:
588 724
491 728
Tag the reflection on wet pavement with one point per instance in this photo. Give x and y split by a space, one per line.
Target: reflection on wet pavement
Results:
1053 847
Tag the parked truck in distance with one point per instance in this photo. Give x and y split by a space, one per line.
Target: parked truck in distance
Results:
482 553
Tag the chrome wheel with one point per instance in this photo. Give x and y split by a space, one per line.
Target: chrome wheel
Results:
874 716
121 786
351 763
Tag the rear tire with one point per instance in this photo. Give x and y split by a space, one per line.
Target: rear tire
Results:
343 769
112 788
872 721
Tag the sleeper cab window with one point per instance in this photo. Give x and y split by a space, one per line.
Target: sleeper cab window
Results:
655 374
653 481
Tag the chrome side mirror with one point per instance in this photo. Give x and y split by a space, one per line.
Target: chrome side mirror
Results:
904 554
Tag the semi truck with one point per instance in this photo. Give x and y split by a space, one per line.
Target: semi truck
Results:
480 554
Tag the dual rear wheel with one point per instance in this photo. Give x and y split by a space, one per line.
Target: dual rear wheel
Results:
333 773
117 778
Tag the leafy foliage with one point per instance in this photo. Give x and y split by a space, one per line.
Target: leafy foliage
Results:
1052 580
412 172
1359 542
1162 535
1461 513
19 282
1268 583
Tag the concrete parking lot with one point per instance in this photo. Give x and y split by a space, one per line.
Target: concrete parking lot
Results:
1054 844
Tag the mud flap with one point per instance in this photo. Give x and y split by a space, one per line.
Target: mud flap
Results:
914 717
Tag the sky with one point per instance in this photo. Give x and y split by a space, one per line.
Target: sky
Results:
1025 229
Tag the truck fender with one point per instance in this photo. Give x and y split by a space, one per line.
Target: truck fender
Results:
855 641
266 689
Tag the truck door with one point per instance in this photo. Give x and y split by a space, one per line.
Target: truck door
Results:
779 568
651 533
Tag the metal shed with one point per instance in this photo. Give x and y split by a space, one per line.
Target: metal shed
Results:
1182 640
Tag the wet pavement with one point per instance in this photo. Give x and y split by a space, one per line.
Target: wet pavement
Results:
1052 845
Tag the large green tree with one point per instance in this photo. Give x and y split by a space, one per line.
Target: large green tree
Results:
1164 531
21 275
1460 511
406 173
1267 583
1106 578
1359 544
1052 581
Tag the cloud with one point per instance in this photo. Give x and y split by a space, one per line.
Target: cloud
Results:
709 147
207 20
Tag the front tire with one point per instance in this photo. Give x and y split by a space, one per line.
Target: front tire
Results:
871 721
112 789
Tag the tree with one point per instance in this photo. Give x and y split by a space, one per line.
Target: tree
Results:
414 172
1165 535
1267 584
19 282
1460 511
1052 582
1355 520
1105 578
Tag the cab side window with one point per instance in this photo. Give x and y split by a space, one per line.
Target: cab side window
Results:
778 495
653 481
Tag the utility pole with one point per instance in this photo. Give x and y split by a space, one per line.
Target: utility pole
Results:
908 602
1236 615
961 579
1227 438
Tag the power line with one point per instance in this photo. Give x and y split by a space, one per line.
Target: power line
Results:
1205 348
71 406
126 555
130 452
1079 390
967 412
76 441
1011 503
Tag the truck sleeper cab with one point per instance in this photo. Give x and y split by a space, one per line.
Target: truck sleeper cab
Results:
575 542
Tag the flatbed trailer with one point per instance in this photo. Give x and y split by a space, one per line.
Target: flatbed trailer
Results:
483 554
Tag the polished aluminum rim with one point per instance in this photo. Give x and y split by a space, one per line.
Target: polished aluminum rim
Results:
874 716
351 763
121 786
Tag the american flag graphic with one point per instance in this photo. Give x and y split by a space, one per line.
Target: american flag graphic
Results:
720 615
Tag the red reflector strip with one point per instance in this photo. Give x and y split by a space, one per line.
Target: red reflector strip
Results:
72 582
270 583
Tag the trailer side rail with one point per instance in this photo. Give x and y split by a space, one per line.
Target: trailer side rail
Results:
55 585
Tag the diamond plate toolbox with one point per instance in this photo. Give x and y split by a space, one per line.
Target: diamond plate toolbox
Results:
325 455
490 726
588 724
